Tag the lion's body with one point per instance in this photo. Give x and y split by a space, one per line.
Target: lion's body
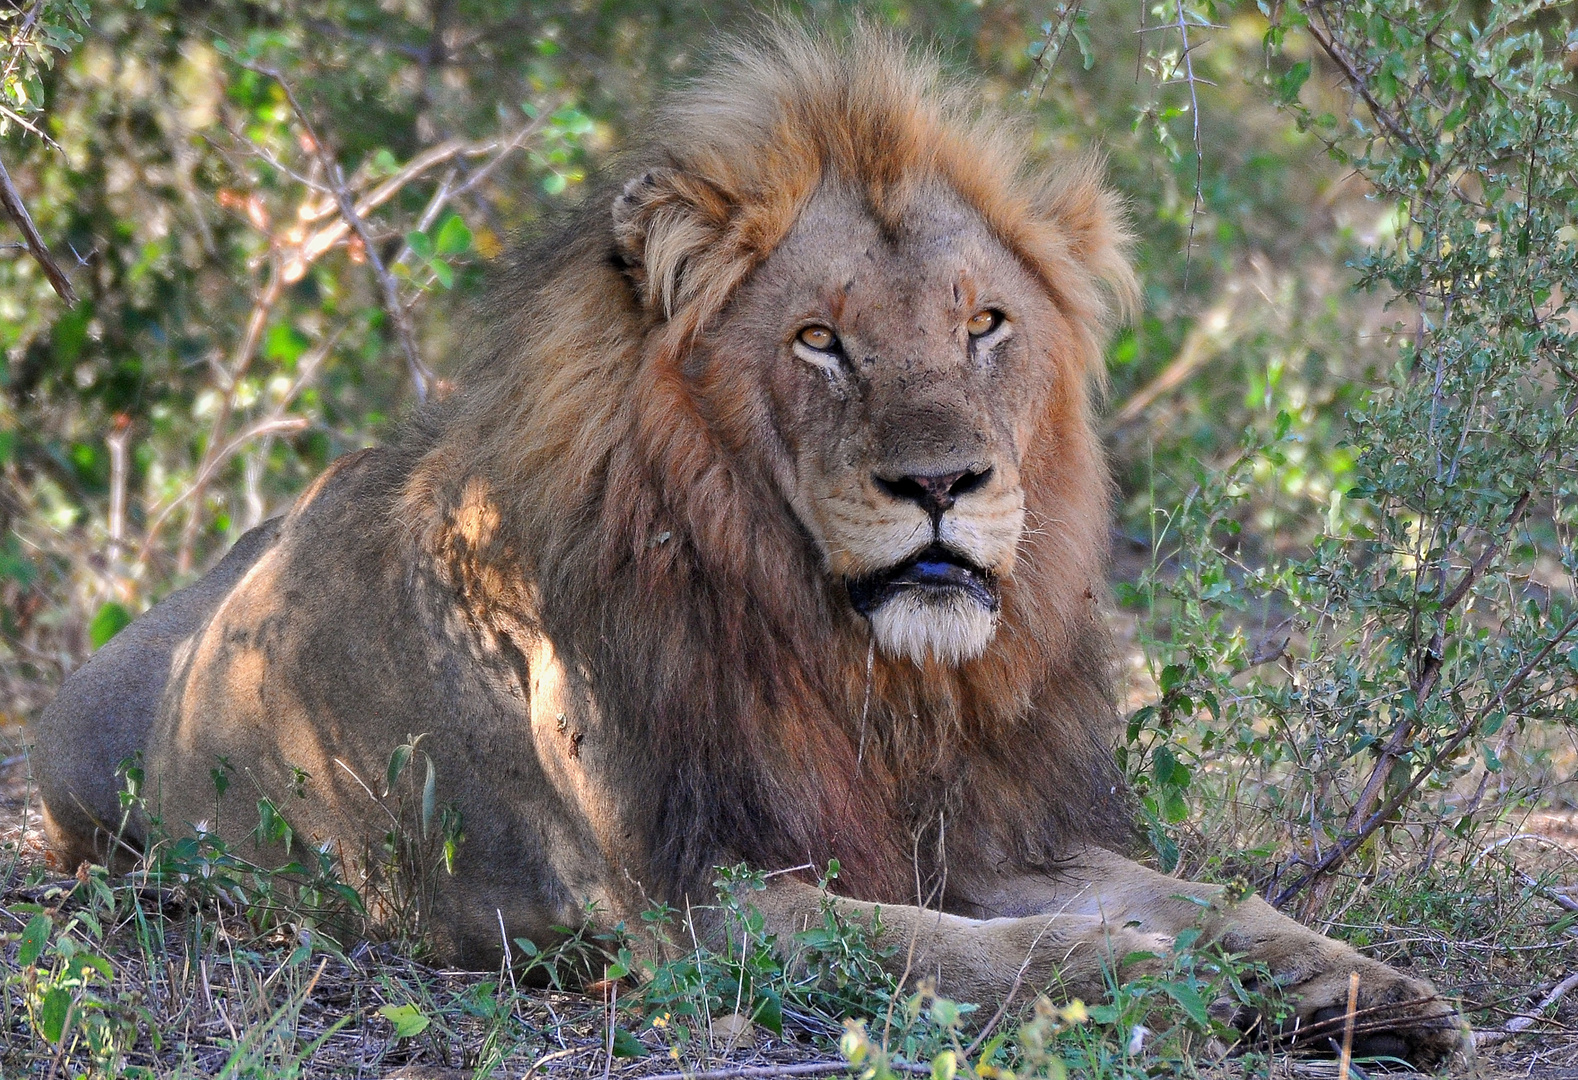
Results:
660 596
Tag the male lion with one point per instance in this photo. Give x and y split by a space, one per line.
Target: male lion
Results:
769 528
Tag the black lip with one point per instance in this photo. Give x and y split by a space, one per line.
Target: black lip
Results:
936 570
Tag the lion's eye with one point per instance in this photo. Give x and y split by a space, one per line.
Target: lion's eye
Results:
819 338
984 322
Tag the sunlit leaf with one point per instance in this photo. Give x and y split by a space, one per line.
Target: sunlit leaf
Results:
408 1020
111 619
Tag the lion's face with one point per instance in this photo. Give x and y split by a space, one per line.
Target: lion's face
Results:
901 373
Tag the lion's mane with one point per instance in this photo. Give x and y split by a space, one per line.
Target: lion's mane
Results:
578 487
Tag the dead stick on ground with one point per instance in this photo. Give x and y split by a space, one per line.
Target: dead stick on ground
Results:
1524 1021
1345 1064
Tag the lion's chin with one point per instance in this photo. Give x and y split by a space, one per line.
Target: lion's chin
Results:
949 625
936 604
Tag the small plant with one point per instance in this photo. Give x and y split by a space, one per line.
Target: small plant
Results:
67 977
741 972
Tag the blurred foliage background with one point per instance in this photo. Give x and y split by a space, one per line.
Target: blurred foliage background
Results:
275 214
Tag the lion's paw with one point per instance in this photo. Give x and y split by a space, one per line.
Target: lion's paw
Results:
1397 1015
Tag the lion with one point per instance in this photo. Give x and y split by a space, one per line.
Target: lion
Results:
766 526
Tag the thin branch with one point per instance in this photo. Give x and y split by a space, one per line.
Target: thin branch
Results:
422 377
1042 69
16 210
1356 79
1524 1021
27 125
761 1072
262 307
1187 60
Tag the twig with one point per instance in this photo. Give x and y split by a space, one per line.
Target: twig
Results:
1428 668
1186 58
1524 1021
1366 1020
16 210
118 440
21 32
1195 350
261 309
1042 69
1355 78
555 1056
1019 978
422 377
613 1002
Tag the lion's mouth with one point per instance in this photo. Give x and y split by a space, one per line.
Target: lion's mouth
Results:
936 571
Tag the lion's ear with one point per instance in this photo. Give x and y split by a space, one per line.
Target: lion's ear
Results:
663 221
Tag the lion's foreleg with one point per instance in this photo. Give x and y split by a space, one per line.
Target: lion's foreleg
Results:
985 961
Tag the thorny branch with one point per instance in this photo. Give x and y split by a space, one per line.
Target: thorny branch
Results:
1427 669
1052 43
1186 60
1356 79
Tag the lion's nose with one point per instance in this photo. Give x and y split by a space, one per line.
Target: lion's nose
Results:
935 493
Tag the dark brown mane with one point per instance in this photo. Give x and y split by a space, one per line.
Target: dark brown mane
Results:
575 469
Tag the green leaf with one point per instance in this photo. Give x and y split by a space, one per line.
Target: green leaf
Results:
52 1013
627 1045
284 344
554 183
1163 763
454 238
34 937
84 965
770 1013
442 273
111 620
1190 1000
397 763
1292 81
420 243
429 796
408 1020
